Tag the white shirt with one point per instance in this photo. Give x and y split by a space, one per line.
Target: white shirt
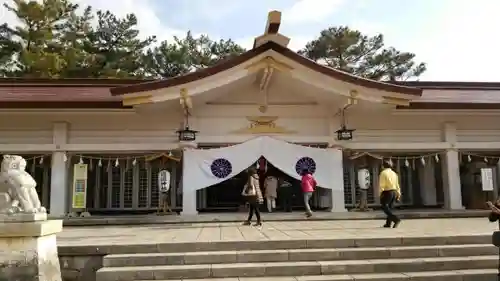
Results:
271 184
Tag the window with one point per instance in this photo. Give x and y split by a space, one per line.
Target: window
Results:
115 187
125 186
154 187
128 187
143 187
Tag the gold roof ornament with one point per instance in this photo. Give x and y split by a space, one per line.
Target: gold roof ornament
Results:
263 125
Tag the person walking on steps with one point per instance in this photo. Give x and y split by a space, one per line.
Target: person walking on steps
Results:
270 190
253 195
389 194
308 184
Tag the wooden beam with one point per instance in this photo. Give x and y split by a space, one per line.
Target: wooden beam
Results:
268 62
130 101
119 147
395 101
273 22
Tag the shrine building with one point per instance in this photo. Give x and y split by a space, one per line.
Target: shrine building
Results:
97 145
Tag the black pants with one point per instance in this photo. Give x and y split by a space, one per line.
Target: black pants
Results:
387 200
286 200
254 208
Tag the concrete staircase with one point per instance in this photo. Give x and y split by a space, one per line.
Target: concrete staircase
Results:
461 258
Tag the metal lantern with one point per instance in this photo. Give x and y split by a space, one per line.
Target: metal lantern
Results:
344 134
187 134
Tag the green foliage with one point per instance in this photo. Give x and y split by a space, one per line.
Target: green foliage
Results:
351 51
188 54
115 48
34 45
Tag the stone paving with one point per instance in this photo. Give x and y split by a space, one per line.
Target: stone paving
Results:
276 230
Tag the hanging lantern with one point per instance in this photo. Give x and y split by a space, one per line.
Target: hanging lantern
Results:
422 160
187 134
65 158
344 134
81 160
436 157
170 154
390 162
407 163
469 159
117 163
99 163
41 161
134 162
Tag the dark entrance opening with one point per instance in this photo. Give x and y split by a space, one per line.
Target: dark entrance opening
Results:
226 196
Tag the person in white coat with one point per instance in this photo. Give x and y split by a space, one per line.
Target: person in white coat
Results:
271 185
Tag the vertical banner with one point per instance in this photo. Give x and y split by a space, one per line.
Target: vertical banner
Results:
164 181
79 186
487 179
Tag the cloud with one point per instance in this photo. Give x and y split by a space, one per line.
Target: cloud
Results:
148 21
459 43
464 44
305 11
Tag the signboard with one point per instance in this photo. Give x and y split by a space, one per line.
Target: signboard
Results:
79 186
163 181
487 179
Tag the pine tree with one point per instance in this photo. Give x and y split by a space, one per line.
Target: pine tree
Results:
351 51
34 45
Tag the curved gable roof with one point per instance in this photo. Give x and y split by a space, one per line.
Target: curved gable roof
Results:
232 62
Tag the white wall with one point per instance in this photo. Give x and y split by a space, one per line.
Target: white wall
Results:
216 122
25 130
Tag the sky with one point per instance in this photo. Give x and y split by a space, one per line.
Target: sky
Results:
458 39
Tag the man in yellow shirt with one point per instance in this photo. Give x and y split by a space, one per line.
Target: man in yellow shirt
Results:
389 193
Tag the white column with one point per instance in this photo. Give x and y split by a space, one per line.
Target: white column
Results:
188 195
59 173
337 193
58 185
428 184
451 171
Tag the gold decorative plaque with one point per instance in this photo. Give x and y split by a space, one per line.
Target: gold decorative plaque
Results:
263 125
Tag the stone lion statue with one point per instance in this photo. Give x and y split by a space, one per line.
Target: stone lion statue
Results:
17 187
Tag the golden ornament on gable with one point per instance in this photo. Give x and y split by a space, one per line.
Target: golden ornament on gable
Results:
263 125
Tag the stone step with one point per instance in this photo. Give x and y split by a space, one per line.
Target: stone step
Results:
217 257
272 245
458 275
303 268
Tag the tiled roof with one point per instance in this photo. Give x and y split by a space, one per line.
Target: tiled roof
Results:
460 96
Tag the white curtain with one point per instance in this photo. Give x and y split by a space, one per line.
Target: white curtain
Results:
292 159
203 168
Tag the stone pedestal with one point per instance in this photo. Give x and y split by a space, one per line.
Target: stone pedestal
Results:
28 248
